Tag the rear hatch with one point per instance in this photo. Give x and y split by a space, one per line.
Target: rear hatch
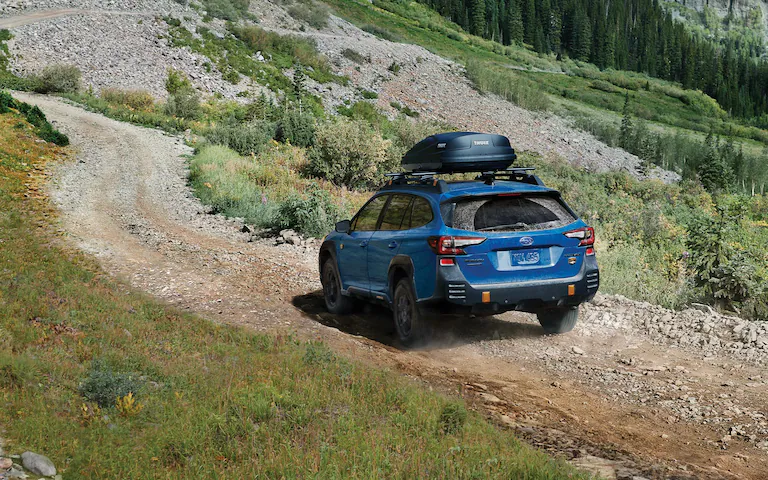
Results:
518 237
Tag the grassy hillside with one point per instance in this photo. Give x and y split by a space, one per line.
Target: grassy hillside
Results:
109 384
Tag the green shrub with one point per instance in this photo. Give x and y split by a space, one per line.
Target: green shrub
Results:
381 33
348 153
174 22
231 76
231 10
104 386
394 67
452 418
245 139
136 99
7 102
354 55
184 104
313 13
177 81
50 134
296 129
604 86
455 36
369 95
312 213
60 78
35 117
364 111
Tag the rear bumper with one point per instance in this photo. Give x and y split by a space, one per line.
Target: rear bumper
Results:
455 292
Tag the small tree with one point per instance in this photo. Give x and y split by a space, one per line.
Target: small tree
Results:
714 172
723 272
299 84
626 134
297 129
177 81
183 100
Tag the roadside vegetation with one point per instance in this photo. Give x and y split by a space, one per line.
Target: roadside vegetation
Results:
132 389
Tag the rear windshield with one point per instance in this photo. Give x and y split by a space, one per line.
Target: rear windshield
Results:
506 214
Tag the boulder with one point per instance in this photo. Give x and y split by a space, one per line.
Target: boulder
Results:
38 464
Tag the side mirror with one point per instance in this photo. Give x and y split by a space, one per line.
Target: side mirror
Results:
343 226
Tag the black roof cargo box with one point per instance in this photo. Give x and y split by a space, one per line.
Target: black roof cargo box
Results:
457 152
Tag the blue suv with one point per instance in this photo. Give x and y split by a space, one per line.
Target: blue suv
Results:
423 245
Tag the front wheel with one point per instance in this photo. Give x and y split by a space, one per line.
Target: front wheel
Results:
412 325
558 320
335 301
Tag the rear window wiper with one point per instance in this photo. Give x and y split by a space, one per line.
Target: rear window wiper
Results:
511 226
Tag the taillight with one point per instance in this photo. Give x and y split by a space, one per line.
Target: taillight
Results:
453 245
586 236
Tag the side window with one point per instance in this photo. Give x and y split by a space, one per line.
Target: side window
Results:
366 219
421 213
395 213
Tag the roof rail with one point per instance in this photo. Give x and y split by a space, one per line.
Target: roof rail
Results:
517 174
425 179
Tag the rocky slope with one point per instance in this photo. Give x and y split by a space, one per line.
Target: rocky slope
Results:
120 44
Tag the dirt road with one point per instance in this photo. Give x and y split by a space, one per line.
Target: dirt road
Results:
605 397
30 18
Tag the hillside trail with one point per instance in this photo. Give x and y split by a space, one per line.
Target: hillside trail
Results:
39 16
125 199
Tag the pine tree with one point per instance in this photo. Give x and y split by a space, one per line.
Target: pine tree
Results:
626 132
538 40
714 173
515 30
477 17
529 20
583 39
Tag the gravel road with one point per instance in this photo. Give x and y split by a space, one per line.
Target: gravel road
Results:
617 395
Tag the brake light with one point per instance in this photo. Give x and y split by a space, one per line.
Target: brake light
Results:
586 236
452 245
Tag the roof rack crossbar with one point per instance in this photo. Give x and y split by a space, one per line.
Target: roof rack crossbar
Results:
519 174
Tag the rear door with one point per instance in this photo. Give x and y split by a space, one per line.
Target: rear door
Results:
420 221
385 242
524 235
352 253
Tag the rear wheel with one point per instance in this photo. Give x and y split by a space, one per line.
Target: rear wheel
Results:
558 320
412 324
335 301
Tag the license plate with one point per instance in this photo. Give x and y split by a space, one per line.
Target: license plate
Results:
524 258
511 259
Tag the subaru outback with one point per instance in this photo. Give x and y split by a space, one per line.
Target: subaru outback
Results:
424 246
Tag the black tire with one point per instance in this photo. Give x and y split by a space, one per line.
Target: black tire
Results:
558 320
336 302
412 324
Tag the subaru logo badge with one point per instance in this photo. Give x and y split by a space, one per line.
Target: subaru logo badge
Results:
525 241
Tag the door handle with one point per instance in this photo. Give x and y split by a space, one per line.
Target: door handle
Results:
392 245
364 243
